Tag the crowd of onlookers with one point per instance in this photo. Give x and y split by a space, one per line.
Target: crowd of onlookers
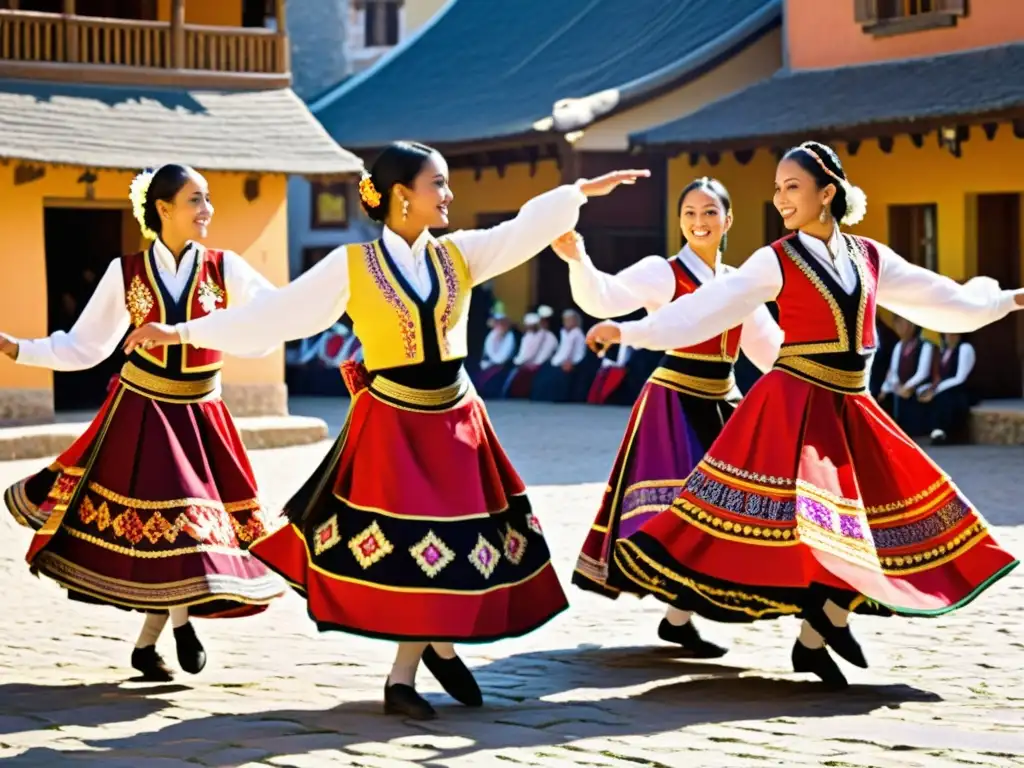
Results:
923 386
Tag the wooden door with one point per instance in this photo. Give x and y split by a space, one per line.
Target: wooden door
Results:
998 371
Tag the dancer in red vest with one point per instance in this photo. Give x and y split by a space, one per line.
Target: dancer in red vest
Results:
154 507
684 403
416 526
812 502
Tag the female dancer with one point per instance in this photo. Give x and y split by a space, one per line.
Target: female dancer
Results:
684 403
154 507
415 528
812 502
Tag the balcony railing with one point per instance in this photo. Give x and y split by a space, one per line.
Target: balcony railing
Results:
89 49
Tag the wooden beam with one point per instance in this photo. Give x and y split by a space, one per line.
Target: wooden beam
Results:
283 52
885 144
744 156
177 34
853 147
990 130
70 33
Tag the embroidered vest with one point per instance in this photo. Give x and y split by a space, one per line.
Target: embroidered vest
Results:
829 333
148 301
397 328
704 369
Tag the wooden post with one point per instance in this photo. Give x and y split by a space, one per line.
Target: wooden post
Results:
283 54
177 34
70 32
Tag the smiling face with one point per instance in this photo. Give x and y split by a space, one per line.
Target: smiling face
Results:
429 195
188 215
797 197
703 220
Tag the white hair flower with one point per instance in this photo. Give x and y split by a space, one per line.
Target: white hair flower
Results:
856 204
137 195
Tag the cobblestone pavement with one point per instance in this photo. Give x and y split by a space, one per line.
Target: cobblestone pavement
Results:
593 688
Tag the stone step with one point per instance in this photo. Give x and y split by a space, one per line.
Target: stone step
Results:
998 422
44 440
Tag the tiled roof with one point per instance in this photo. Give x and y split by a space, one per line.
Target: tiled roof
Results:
812 103
484 69
269 131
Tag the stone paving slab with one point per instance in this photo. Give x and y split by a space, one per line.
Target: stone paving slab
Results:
593 688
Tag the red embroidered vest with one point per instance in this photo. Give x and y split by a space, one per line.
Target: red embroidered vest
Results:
722 348
829 333
148 301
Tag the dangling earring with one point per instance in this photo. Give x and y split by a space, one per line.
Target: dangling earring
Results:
405 209
823 216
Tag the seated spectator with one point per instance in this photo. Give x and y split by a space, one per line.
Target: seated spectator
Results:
538 345
554 381
910 367
496 360
949 395
611 378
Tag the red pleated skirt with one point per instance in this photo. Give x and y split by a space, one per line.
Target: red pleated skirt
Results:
417 527
153 507
808 492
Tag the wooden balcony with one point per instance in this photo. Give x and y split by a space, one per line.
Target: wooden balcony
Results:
82 49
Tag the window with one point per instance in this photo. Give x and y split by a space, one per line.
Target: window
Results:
913 233
259 13
773 226
893 17
329 206
381 24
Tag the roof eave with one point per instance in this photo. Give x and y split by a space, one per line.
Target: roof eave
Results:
852 132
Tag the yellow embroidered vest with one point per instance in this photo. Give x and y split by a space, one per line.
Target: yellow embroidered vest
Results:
396 327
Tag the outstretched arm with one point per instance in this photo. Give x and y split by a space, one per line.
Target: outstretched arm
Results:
491 252
713 308
938 303
93 336
308 305
244 284
761 339
647 284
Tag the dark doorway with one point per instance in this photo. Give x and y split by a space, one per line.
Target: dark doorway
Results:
998 371
80 243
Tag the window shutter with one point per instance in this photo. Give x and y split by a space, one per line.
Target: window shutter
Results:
865 11
952 7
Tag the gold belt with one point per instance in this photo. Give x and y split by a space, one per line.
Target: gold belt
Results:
844 382
170 390
421 399
711 389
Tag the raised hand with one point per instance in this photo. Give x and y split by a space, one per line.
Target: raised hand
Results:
569 247
602 185
151 335
8 346
603 335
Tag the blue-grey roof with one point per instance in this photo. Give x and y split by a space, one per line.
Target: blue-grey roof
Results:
486 69
802 104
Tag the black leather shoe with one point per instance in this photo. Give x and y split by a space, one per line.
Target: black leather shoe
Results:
191 655
455 677
818 662
403 700
148 662
839 639
687 636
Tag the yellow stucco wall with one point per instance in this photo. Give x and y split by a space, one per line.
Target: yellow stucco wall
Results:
751 65
257 230
494 194
419 12
907 175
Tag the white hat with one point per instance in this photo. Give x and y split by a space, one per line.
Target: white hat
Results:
531 318
545 311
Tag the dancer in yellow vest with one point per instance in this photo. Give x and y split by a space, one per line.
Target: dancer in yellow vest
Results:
415 527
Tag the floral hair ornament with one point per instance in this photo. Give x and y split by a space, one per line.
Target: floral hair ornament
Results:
137 194
856 199
367 192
